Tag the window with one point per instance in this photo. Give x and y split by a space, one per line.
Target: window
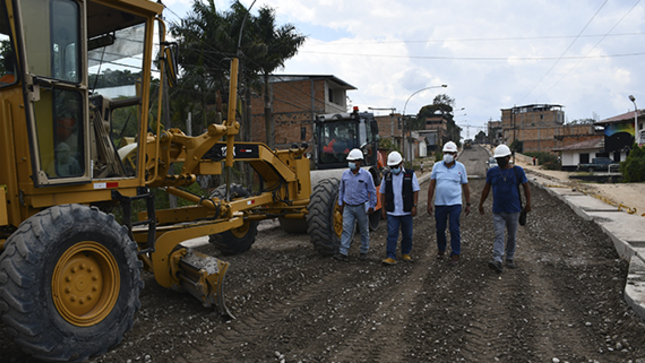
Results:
331 94
584 158
8 64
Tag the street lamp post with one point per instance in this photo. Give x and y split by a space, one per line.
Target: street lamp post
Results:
636 136
405 156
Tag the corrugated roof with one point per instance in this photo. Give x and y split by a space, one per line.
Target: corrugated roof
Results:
299 77
627 116
588 144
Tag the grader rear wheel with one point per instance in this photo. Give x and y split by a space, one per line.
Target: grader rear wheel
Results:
69 283
237 240
324 219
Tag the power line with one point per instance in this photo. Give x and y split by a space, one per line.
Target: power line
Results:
497 59
492 39
590 50
565 51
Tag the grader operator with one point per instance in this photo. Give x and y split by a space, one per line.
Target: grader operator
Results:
70 274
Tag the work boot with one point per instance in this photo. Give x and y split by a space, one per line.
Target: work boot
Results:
407 257
510 263
496 265
389 261
455 260
440 255
339 256
363 256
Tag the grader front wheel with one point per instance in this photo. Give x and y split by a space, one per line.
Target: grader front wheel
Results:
238 240
69 283
324 219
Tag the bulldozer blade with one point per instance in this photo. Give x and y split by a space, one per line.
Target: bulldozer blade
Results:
203 277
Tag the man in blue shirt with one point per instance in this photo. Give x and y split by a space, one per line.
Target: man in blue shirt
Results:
399 196
505 179
450 181
356 199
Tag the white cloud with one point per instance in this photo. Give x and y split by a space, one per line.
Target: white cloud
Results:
492 54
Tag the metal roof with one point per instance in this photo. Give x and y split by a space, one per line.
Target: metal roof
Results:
627 116
275 78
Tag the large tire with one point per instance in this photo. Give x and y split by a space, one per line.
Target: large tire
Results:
325 222
69 283
237 240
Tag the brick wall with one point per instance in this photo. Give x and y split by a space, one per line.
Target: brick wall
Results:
294 107
540 130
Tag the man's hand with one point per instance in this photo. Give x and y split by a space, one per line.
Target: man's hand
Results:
413 211
430 209
383 213
340 208
467 210
370 210
481 209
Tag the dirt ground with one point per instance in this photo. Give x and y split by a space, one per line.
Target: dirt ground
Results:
563 303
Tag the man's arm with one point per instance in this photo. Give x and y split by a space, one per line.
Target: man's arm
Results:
431 187
466 190
415 200
483 198
527 195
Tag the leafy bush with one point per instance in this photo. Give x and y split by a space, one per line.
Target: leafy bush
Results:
633 168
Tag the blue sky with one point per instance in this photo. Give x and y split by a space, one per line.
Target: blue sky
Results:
586 55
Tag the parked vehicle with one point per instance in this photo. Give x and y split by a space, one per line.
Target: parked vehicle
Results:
491 163
600 164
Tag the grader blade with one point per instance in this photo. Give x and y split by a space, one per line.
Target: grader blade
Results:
203 277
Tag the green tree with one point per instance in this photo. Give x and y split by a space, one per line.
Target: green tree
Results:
633 168
276 45
442 104
480 138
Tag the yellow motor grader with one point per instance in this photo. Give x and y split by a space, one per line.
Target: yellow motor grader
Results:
75 147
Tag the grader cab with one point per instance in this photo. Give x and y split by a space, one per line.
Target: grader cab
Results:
75 147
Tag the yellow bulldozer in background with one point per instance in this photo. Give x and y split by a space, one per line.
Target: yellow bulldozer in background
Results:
70 274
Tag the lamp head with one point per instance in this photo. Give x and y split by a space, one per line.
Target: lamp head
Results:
632 98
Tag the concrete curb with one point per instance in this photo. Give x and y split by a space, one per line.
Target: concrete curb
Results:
626 231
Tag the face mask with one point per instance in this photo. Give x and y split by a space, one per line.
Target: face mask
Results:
352 166
448 158
502 162
395 171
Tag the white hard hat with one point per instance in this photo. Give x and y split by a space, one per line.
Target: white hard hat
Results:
355 154
502 151
450 147
394 158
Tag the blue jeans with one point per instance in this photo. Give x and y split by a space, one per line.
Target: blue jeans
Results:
393 225
350 215
501 223
444 215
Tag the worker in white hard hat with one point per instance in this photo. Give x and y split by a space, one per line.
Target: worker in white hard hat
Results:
356 199
505 180
450 183
399 197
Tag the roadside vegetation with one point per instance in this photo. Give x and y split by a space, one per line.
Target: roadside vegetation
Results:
633 168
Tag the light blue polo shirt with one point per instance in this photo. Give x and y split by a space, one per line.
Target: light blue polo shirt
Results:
449 181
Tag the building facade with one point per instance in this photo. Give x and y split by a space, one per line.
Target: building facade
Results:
296 100
541 128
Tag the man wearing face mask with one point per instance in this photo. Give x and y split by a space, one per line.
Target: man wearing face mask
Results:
504 180
356 189
399 196
449 180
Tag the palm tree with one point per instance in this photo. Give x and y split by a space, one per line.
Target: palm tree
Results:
277 44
